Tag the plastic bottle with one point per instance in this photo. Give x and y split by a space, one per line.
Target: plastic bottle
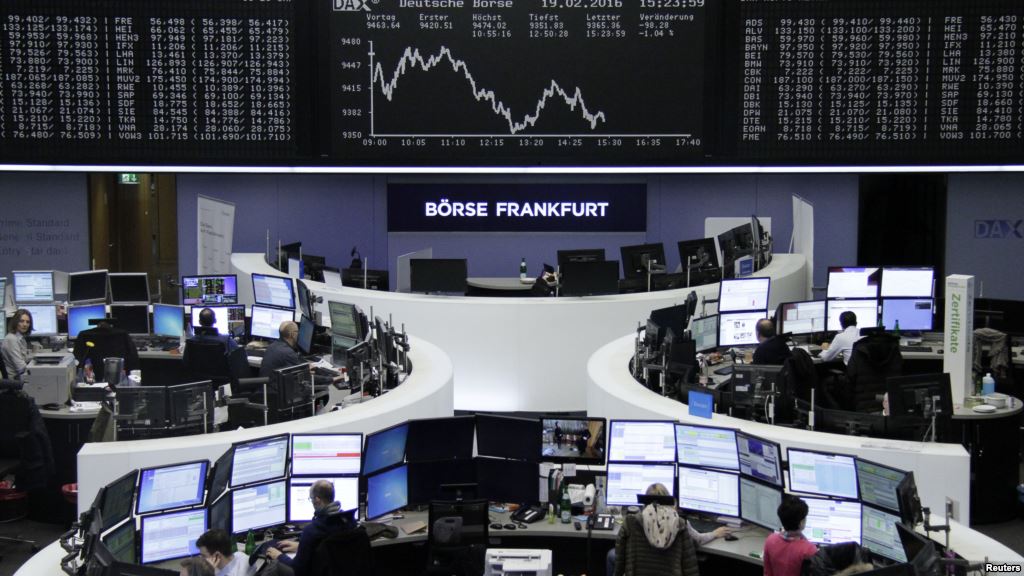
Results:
250 543
551 513
896 329
522 269
87 371
566 504
988 384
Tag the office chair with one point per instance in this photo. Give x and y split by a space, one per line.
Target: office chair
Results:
248 405
992 355
457 537
206 360
21 453
106 343
874 358
345 553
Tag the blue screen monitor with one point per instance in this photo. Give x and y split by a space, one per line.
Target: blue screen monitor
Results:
627 481
642 441
759 503
879 484
760 458
169 487
326 454
387 491
259 506
79 316
832 521
385 448
822 473
44 319
33 286
705 332
168 320
259 460
911 313
172 535
273 291
300 508
709 491
707 447
879 534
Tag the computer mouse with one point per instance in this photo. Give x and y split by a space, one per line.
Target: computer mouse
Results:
510 526
495 525
730 538
939 351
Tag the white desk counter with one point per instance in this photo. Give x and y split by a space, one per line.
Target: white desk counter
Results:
527 354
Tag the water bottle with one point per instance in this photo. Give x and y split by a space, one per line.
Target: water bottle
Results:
522 269
250 543
566 504
988 384
896 329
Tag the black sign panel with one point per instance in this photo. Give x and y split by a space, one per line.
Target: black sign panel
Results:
517 208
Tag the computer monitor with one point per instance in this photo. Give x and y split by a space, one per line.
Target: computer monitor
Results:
365 278
739 328
707 447
273 291
121 543
87 287
919 549
853 282
326 454
227 319
563 438
117 500
300 507
589 278
751 383
580 255
759 458
129 288
879 483
822 473
220 513
911 313
920 395
209 290
910 503
507 480
33 286
172 535
220 475
443 479
627 481
313 267
385 448
508 437
191 405
291 388
306 330
141 408
708 491
259 460
387 491
705 332
743 294
168 320
445 275
908 282
642 441
800 318
172 486
698 255
304 297
345 320
267 321
637 259
675 318
879 533
259 506
131 317
79 316
759 503
866 311
440 439
832 521
44 318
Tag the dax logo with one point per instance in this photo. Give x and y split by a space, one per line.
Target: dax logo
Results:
351 5
999 229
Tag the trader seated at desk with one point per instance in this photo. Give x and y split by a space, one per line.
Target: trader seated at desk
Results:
106 341
15 346
207 332
283 353
772 348
844 341
328 519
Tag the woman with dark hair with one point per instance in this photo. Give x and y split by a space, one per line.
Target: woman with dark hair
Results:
15 347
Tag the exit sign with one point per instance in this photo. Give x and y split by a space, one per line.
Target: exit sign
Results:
128 178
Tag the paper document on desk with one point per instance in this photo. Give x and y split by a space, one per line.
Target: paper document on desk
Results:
84 406
413 526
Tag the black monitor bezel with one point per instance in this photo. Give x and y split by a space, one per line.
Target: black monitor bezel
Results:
708 466
107 523
463 452
124 526
144 308
768 293
533 445
366 445
673 488
110 285
576 459
564 256
860 493
895 383
459 270
223 462
626 253
305 344
377 474
227 501
781 325
181 312
780 489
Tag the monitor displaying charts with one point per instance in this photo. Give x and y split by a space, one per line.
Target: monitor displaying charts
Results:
627 481
738 328
259 506
300 507
759 503
642 441
706 446
705 332
853 282
740 294
709 491
326 454
822 473
832 521
866 311
173 535
33 286
759 458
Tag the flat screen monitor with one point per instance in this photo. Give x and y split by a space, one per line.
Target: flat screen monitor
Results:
44 318
589 278
636 260
173 535
274 291
739 328
760 458
33 286
627 481
707 447
919 549
853 282
866 311
508 437
385 448
507 480
168 320
129 288
907 282
326 454
879 484
642 441
443 480
580 255
332 277
259 506
387 491
743 294
822 473
121 543
79 316
920 395
698 255
445 275
88 286
345 320
799 318
131 317
911 313
365 278
259 460
220 513
576 440
879 534
303 296
191 405
709 491
306 330
759 503
209 290
267 321
117 500
220 475
300 507
705 332
227 319
169 487
832 521
440 439
142 407
674 318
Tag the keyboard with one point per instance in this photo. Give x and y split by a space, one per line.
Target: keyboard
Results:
915 348
724 371
701 525
326 372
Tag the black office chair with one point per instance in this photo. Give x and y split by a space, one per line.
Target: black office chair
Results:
874 358
457 537
345 553
106 343
248 405
206 360
22 453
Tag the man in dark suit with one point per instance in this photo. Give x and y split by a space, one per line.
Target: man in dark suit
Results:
106 341
207 332
772 348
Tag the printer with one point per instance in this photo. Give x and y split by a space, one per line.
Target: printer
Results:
509 561
49 377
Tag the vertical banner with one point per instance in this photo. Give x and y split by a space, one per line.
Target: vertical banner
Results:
802 241
215 229
958 359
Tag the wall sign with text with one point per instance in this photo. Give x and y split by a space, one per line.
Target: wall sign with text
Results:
517 207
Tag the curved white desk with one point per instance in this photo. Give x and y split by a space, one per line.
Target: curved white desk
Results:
426 393
527 354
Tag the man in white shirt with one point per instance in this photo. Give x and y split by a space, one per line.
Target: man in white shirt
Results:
217 548
844 341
